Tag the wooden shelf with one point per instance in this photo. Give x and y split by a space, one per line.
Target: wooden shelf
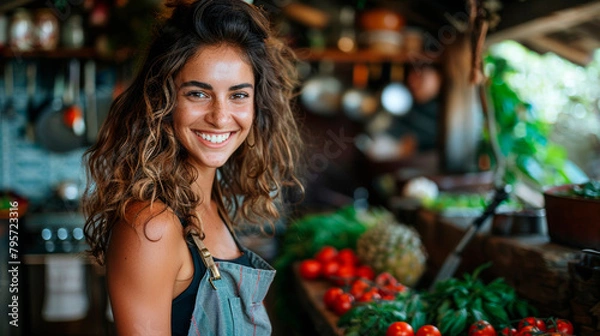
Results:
82 53
364 56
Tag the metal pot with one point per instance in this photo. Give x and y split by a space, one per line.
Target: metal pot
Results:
518 223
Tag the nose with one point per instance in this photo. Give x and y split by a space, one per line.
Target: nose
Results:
217 116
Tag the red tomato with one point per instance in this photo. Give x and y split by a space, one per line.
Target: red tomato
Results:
561 326
310 269
343 303
400 329
346 256
385 279
359 287
330 268
331 295
481 328
428 330
326 253
397 288
528 330
344 274
386 293
508 331
387 296
532 321
365 271
370 295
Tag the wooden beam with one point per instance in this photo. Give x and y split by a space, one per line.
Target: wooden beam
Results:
9 5
572 54
537 26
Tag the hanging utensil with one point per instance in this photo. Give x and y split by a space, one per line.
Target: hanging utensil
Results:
9 109
358 102
31 88
395 96
51 131
72 114
91 107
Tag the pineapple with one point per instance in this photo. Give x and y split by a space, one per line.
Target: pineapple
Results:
393 247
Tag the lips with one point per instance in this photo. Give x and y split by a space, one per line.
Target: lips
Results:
213 138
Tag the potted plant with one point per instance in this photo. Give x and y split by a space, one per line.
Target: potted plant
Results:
573 214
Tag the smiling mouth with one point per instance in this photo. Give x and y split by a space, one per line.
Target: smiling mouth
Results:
214 138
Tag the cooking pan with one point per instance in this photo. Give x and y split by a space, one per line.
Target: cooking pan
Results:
321 92
59 126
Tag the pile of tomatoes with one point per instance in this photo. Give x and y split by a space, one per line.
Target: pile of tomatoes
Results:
538 326
352 282
405 329
528 326
340 267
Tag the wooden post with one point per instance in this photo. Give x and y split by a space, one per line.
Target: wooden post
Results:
461 116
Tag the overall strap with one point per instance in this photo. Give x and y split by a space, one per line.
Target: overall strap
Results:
208 260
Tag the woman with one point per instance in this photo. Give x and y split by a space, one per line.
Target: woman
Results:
203 139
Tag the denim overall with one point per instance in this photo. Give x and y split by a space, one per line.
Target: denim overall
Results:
230 297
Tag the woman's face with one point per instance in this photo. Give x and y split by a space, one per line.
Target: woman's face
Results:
215 104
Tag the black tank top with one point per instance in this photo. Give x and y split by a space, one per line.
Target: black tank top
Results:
183 305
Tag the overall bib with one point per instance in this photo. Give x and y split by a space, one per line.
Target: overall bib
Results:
230 297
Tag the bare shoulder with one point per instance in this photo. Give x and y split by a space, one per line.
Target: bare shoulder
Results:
150 233
143 259
149 238
156 221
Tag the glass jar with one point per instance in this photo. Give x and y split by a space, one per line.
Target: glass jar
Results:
3 31
73 36
22 30
47 29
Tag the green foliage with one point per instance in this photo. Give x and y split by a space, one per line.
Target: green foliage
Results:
590 189
523 136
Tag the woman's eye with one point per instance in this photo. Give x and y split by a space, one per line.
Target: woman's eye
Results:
240 95
196 94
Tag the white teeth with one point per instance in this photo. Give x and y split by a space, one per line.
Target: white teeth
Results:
214 138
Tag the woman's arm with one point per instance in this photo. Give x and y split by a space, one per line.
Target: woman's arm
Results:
141 267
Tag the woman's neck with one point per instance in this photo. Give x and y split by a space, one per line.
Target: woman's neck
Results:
204 184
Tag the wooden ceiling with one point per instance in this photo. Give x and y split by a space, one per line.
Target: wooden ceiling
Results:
569 28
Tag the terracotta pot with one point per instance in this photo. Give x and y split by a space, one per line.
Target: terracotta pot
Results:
381 19
572 221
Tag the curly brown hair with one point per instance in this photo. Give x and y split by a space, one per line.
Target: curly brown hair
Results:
137 156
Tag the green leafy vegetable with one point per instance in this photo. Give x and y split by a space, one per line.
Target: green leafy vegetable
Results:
455 304
590 189
374 318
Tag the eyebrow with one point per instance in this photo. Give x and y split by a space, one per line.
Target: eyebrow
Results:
207 86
